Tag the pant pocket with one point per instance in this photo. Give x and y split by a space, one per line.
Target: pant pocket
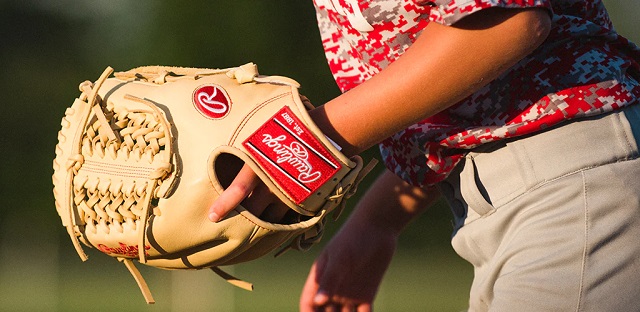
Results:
470 190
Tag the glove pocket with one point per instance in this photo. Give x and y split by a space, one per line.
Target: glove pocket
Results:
239 238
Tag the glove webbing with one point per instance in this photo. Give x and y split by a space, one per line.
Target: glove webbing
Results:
89 98
89 194
93 208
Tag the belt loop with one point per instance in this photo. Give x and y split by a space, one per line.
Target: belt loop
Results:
469 189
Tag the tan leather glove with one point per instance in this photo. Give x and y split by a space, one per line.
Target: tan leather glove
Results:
142 155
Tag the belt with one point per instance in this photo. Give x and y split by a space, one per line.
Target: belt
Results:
494 174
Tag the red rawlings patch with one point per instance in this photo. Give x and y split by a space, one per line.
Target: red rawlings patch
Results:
289 153
212 101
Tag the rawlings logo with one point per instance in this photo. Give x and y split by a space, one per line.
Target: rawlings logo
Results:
291 155
212 101
123 250
295 155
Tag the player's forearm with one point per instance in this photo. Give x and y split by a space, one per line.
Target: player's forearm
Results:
390 204
445 65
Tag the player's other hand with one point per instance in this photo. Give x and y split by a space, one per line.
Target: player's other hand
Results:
248 190
348 272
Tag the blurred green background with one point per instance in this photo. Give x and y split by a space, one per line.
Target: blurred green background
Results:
48 47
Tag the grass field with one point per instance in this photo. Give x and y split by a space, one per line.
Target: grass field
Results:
47 275
415 282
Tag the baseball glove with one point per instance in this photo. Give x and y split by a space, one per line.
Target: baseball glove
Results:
142 155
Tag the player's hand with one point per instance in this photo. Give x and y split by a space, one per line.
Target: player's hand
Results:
250 192
348 272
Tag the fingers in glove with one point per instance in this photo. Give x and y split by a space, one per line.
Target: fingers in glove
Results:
243 185
258 200
275 213
265 205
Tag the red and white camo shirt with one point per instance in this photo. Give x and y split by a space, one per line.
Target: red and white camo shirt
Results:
584 68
